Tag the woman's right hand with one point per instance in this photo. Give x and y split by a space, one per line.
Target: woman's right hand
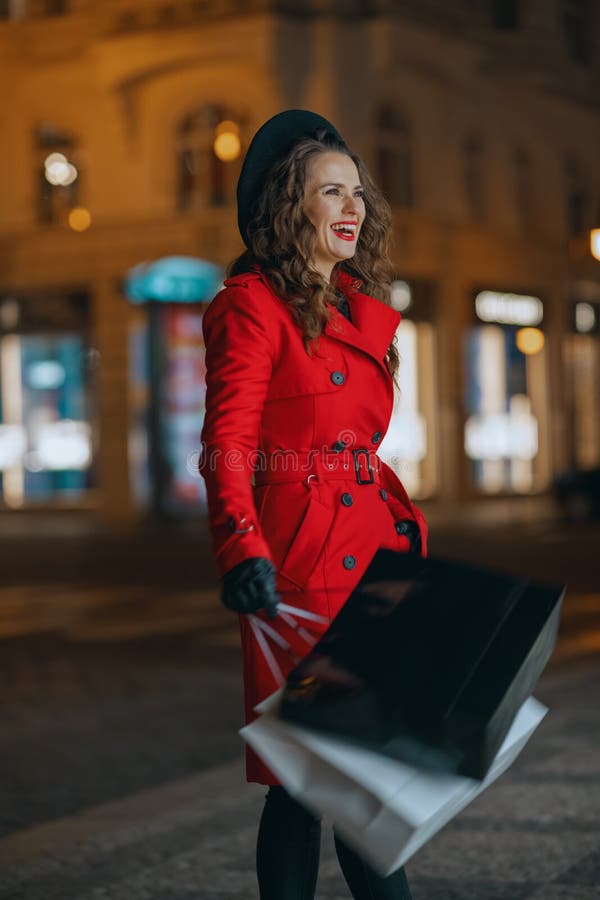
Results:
250 586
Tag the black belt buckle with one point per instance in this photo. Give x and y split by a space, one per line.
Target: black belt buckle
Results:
356 454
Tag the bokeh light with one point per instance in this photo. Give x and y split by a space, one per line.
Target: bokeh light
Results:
227 144
59 171
530 340
585 317
80 218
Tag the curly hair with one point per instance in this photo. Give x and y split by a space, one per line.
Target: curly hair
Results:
282 241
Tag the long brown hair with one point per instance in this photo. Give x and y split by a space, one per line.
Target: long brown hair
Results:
282 240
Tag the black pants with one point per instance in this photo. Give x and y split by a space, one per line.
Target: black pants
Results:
287 857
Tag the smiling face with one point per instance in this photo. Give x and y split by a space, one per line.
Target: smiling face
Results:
333 202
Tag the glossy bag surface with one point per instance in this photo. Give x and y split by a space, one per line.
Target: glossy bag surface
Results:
428 662
383 808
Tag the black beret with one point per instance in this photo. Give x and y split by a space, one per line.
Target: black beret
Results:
271 143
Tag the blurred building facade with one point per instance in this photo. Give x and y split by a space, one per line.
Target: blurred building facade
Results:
480 120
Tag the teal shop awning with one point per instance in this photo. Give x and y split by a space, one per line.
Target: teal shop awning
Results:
174 279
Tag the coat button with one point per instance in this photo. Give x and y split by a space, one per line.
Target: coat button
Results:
383 494
349 562
377 437
338 377
347 499
410 529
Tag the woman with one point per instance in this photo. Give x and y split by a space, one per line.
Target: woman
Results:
300 363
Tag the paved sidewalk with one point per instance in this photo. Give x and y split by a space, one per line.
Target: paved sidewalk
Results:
534 835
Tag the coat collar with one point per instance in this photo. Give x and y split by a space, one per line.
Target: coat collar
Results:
373 322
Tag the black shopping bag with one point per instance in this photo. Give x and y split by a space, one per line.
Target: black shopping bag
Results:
428 662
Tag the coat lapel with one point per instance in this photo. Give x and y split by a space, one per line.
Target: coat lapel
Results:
373 323
372 328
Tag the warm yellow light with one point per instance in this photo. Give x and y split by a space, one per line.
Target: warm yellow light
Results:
226 126
227 145
595 243
530 340
80 218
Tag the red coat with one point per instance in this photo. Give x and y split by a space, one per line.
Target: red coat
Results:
265 393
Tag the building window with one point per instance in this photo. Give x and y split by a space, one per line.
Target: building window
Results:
576 198
394 157
523 187
167 15
505 13
12 9
54 7
58 175
32 9
209 151
473 178
574 24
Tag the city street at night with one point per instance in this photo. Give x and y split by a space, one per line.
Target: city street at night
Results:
122 772
283 283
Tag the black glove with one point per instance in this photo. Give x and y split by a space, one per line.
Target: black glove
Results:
250 586
410 529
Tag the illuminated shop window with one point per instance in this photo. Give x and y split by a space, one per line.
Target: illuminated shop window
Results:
46 435
179 395
581 351
47 397
58 175
167 380
582 358
410 444
139 408
394 156
474 177
506 431
209 154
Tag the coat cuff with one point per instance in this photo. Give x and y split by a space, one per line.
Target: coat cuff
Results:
401 504
239 547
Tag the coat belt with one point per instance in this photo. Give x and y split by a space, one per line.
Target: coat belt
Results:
360 465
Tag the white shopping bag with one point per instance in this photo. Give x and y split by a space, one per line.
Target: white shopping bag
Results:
383 808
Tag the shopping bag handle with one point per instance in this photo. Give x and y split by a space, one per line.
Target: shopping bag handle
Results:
302 614
256 625
263 632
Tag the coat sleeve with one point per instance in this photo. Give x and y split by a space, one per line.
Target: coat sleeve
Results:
239 362
400 504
